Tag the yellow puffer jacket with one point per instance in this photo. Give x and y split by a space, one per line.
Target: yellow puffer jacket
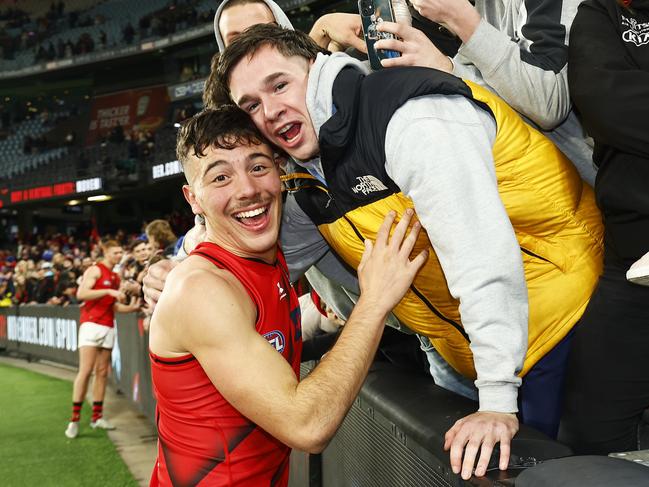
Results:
556 222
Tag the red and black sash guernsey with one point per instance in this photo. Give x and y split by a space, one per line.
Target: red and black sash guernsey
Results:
101 311
203 439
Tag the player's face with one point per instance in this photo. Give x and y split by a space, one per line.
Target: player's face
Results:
238 192
112 255
235 20
271 88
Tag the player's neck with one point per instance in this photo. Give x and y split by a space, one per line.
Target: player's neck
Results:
269 256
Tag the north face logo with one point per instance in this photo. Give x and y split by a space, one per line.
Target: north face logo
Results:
368 184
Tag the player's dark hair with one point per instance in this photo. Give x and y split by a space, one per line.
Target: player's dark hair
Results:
224 127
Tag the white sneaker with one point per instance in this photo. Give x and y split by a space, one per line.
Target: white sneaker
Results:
101 423
638 273
72 431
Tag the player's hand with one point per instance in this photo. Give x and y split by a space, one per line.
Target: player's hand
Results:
415 48
134 304
130 287
117 294
386 272
154 281
480 431
195 236
338 31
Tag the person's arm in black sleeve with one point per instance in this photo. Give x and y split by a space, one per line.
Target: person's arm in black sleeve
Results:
609 90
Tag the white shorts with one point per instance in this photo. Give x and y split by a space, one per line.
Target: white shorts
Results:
94 335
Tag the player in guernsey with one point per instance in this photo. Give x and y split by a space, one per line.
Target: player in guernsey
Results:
225 336
99 289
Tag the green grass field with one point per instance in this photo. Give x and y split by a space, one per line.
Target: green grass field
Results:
34 411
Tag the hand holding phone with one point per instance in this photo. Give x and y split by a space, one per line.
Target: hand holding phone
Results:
372 13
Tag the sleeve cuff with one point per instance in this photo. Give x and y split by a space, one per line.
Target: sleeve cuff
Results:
499 398
486 48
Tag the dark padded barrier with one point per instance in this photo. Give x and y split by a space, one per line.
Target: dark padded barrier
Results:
586 471
394 436
131 365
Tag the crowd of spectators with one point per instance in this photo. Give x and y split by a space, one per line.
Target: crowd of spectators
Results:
48 270
35 33
175 17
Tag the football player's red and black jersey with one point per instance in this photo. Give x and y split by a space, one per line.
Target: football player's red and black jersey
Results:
203 439
101 311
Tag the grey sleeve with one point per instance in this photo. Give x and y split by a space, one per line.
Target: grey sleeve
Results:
438 152
523 58
301 241
304 246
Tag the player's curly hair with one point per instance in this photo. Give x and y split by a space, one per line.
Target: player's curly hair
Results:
223 127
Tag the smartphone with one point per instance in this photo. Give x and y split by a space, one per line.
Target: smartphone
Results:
372 13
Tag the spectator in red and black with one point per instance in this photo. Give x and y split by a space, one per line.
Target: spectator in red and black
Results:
46 286
23 285
66 290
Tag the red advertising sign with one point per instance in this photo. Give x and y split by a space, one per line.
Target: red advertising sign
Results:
3 326
54 190
43 192
143 109
4 197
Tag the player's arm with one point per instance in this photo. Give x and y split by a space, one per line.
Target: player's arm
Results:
248 371
85 292
456 196
133 305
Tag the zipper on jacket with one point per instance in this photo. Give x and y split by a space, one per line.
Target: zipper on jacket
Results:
532 254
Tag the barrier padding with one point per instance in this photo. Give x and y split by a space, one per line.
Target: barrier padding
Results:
591 471
395 433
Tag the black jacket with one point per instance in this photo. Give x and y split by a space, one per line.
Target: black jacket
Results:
608 73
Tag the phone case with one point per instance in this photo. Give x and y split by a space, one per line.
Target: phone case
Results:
372 13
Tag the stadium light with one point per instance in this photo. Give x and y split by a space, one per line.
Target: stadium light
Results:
100 197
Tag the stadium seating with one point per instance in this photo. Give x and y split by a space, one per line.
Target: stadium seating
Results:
113 22
15 162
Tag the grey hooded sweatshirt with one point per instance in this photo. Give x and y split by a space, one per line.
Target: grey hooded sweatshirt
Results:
280 17
520 52
457 201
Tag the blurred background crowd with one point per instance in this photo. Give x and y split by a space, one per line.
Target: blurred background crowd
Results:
47 269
